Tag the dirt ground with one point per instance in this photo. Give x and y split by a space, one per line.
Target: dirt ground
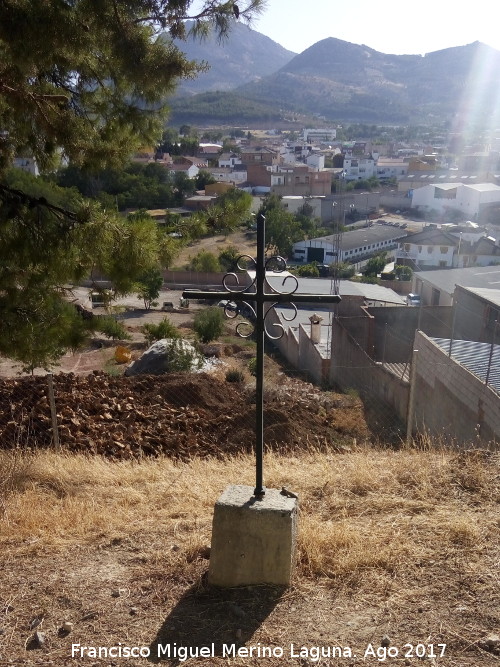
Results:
246 242
397 552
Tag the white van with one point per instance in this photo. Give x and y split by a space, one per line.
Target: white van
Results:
413 299
100 298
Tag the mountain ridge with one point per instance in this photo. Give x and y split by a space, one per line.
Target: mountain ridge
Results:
342 81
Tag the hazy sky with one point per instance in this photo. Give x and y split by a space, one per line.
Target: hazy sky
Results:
388 26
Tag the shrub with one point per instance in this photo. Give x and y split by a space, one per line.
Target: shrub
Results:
234 375
308 270
204 261
209 324
181 358
252 365
111 328
164 329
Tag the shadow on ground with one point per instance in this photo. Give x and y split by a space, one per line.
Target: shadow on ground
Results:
221 620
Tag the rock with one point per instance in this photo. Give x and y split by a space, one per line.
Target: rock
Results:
39 639
67 626
117 592
385 641
490 643
161 358
133 611
35 622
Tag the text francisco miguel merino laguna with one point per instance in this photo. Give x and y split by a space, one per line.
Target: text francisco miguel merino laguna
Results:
183 653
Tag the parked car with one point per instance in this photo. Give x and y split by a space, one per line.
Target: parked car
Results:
413 299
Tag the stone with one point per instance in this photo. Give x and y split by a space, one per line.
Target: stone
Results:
490 643
160 358
67 626
253 540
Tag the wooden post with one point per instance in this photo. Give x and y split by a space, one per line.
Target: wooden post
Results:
53 413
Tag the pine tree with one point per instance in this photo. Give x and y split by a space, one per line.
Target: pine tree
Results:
85 81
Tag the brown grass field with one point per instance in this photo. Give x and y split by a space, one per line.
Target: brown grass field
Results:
395 547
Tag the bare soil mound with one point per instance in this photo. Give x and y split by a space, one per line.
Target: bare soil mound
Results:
181 415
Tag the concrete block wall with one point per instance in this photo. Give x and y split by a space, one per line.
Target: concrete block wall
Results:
450 401
352 368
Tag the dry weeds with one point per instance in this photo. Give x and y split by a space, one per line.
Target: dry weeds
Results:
398 543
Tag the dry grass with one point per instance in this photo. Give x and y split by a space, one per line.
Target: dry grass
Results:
395 529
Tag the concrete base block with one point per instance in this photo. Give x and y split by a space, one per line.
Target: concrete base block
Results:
253 541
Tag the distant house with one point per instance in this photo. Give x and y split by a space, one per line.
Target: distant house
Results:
359 167
299 179
236 174
430 247
316 161
229 160
390 168
290 179
191 170
265 156
450 246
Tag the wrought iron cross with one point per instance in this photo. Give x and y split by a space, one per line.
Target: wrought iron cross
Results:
259 297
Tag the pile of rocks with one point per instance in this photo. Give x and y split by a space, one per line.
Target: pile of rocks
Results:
178 414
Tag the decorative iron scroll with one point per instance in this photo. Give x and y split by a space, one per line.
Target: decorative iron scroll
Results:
231 284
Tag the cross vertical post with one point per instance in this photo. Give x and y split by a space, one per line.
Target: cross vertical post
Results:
260 276
259 297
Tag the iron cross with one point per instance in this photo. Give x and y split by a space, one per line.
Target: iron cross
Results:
259 297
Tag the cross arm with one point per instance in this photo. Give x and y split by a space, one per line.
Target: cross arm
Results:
270 298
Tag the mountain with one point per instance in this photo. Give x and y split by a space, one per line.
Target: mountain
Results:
245 55
349 82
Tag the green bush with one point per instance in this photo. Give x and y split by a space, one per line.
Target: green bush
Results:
180 359
204 261
209 324
164 329
308 271
234 375
111 328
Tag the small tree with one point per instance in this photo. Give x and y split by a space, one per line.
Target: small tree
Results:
164 329
205 261
150 284
209 324
228 257
403 272
375 264
111 328
344 270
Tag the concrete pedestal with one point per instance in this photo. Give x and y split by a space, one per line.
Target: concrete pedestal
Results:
253 541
